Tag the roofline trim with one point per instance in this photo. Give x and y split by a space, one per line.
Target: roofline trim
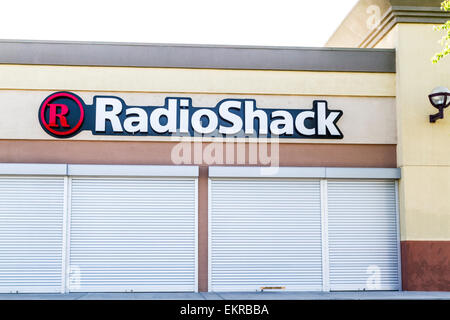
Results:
68 53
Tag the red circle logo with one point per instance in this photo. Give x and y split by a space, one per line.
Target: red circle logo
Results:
62 114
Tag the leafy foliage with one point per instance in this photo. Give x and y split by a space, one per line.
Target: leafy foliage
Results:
445 41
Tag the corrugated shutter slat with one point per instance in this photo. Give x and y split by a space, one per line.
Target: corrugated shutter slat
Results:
31 219
265 233
362 235
132 234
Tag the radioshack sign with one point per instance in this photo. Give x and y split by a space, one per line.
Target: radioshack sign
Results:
64 114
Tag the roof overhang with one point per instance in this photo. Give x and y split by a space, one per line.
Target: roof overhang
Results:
358 30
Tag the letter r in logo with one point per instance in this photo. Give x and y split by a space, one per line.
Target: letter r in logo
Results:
53 110
62 114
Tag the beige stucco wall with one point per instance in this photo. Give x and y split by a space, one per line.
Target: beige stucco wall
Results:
358 23
423 149
389 40
367 99
425 205
196 80
365 120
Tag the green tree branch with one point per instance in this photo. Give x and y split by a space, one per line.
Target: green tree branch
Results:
445 41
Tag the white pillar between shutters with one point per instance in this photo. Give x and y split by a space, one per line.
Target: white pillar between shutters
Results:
64 235
324 216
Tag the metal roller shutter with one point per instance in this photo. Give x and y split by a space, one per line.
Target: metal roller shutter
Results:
133 234
362 235
265 232
31 234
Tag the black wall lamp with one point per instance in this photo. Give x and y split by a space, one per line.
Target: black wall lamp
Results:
440 99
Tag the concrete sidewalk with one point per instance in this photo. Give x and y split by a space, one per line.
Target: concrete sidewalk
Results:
384 295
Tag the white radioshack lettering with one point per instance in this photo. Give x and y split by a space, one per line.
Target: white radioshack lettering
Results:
112 115
224 112
251 114
229 117
325 122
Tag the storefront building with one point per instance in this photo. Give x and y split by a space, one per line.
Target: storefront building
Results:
132 167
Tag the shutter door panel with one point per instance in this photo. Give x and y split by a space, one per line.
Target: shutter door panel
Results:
265 233
31 220
132 235
362 236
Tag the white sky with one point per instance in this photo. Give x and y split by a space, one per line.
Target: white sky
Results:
241 22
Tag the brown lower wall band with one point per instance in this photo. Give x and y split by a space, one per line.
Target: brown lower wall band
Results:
111 152
425 265
148 152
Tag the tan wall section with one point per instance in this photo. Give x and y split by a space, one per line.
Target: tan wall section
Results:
425 213
423 147
389 41
365 119
358 23
422 143
196 80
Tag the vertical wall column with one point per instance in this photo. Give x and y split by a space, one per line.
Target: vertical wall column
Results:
203 229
